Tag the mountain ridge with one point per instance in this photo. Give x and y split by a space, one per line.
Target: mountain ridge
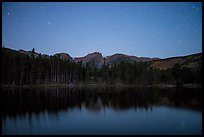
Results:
190 61
22 70
97 59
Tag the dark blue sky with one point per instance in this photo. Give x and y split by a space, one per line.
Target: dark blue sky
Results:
147 29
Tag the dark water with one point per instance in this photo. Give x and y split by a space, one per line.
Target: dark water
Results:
102 111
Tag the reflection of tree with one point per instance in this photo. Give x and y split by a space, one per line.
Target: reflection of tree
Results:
20 101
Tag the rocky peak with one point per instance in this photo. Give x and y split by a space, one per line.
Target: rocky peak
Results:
94 57
64 56
116 58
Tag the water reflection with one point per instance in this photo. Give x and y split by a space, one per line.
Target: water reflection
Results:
102 111
26 102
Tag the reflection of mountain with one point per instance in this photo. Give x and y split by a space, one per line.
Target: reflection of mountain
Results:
94 104
20 101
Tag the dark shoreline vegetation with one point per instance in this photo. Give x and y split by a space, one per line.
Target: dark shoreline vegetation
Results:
21 70
102 85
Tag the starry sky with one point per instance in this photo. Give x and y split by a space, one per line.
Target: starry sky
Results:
143 29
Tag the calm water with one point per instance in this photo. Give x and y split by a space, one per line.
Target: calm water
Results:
102 111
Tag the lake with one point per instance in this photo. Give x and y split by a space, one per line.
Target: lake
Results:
102 111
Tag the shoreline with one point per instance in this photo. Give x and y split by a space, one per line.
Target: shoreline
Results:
104 85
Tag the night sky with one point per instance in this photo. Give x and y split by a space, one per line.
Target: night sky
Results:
141 29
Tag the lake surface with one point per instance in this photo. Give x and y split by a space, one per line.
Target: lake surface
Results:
102 111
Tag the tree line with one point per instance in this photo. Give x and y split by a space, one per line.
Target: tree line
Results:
22 69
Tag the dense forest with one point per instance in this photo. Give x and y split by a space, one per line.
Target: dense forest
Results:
22 69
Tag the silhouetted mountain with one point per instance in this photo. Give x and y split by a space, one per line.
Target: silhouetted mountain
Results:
117 58
64 56
95 58
29 52
190 61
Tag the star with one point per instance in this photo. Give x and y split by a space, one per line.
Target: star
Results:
8 13
193 7
179 41
43 7
48 22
